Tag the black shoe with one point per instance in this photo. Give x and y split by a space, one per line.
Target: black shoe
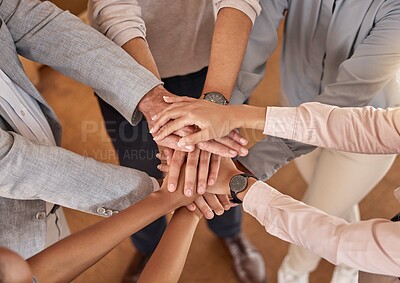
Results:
248 263
136 267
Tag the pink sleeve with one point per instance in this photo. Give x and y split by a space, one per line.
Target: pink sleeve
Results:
370 246
362 130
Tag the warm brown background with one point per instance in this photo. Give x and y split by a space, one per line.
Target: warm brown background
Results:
208 260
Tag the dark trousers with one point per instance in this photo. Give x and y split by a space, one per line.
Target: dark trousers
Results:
136 149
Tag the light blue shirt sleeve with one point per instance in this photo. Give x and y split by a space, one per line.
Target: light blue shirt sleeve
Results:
372 65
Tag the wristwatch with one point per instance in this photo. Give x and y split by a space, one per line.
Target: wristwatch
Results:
237 184
216 97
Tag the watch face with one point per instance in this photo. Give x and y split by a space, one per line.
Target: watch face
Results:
216 98
238 183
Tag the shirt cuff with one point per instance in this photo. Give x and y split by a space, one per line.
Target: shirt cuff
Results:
156 185
258 199
281 122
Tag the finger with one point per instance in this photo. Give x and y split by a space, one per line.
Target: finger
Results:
201 136
204 164
237 137
174 99
214 203
204 207
172 142
217 148
224 200
241 150
191 207
168 109
191 172
177 161
162 157
168 152
214 169
166 117
171 127
163 168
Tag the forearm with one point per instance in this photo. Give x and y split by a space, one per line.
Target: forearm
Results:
362 130
231 33
140 51
168 260
245 116
83 249
85 54
63 177
367 245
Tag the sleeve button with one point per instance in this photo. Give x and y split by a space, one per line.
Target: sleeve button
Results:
101 210
41 215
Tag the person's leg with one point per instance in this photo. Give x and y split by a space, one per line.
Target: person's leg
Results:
340 180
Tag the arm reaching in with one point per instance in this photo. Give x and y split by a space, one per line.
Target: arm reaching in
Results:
88 246
368 245
167 262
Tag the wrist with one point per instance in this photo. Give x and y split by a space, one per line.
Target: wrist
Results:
254 117
153 102
250 183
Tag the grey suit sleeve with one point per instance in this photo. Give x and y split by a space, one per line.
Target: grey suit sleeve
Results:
32 171
53 37
372 66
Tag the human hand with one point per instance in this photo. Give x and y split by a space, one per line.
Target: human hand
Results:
214 121
153 103
227 171
206 203
201 167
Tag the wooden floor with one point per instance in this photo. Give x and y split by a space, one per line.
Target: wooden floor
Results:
208 260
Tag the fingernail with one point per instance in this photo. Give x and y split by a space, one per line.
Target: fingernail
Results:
244 151
211 182
171 187
158 155
155 117
165 97
233 153
181 142
243 141
201 189
159 167
192 207
188 192
209 215
189 147
220 212
151 130
227 207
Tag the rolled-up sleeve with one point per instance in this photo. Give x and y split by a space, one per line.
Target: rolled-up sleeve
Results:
251 8
119 20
